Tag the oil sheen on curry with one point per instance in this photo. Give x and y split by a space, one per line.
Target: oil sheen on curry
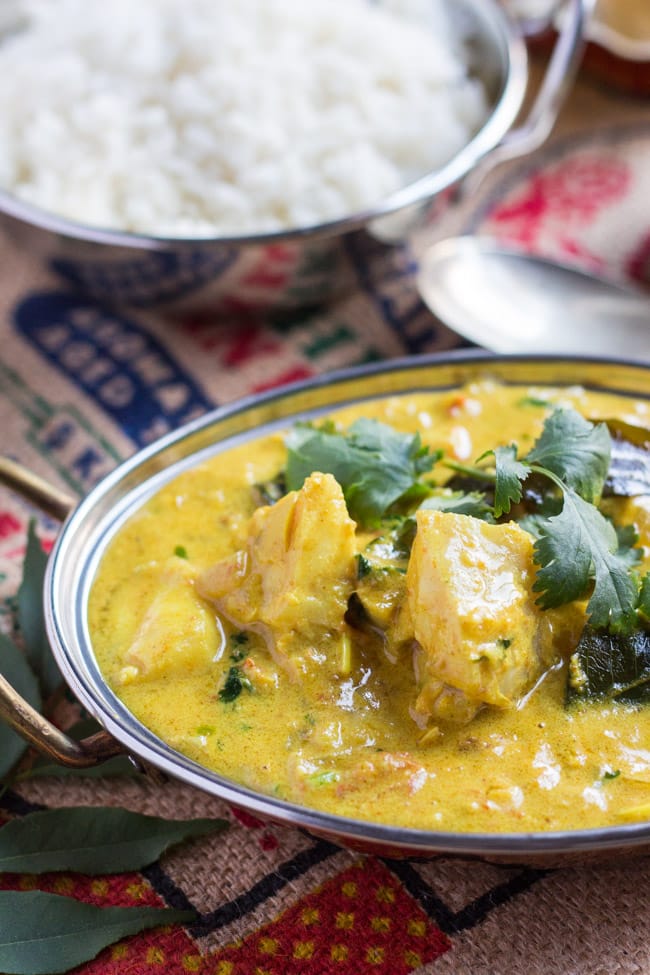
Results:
430 610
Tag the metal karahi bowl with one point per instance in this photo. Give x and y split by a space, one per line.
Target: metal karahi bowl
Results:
307 265
90 527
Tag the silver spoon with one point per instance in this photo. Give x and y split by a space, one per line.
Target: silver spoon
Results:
509 301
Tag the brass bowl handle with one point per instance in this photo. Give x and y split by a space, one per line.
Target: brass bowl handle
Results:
32 487
18 714
49 740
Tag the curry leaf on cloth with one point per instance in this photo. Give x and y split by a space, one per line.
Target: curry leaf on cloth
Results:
44 934
574 449
374 464
14 667
31 617
92 840
610 666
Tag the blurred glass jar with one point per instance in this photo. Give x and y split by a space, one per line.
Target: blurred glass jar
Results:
618 52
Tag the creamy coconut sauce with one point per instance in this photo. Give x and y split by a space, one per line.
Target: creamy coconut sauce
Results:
349 740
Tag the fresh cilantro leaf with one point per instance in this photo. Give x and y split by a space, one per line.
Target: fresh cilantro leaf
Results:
573 545
628 539
473 503
374 464
644 596
575 450
234 684
510 473
180 551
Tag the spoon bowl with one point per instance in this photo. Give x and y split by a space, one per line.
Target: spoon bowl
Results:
509 301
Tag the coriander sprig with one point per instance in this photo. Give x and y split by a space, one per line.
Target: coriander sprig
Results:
578 546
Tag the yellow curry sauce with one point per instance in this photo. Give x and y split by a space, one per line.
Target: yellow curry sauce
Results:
346 725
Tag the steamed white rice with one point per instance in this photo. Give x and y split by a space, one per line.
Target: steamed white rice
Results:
220 117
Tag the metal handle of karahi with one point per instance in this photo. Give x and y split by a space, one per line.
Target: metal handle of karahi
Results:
14 709
50 740
33 488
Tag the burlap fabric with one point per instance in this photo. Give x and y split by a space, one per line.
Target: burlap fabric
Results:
81 387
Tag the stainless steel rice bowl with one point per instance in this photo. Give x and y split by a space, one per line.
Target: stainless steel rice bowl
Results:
306 265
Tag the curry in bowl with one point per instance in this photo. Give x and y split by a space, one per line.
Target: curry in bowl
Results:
429 610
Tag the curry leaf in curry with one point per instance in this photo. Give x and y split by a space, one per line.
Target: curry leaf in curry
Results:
374 464
629 470
606 665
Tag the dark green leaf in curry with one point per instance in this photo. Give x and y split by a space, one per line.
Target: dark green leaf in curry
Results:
375 464
605 665
510 473
576 451
472 503
233 685
629 471
644 597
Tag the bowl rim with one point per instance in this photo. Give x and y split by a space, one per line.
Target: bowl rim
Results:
81 673
514 62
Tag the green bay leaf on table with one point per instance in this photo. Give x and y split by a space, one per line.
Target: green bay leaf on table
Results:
14 667
92 840
31 616
44 934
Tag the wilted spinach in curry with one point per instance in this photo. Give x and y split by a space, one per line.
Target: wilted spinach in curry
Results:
396 589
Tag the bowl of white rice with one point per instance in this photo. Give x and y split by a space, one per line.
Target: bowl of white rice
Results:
212 152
